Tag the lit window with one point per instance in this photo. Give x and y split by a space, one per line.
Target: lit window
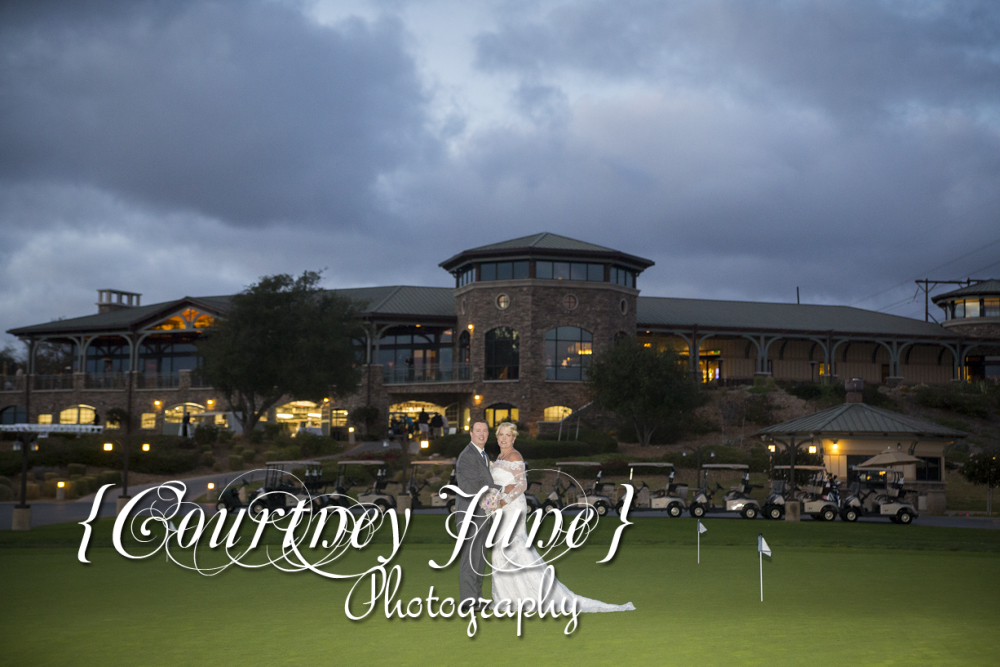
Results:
45 419
567 353
556 413
972 307
77 414
991 307
220 420
148 420
338 418
112 426
500 412
503 301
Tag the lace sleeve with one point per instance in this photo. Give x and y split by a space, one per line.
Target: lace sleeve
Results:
520 481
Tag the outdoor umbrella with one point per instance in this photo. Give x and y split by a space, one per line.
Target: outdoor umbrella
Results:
890 457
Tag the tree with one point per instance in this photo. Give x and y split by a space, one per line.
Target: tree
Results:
10 361
983 468
642 386
282 336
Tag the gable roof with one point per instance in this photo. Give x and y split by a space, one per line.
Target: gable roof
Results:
123 319
859 419
706 314
989 287
394 300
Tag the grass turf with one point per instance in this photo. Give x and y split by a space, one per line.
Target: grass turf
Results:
833 594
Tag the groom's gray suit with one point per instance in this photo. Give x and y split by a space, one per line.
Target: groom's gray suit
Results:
472 473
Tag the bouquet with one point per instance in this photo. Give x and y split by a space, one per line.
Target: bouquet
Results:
490 502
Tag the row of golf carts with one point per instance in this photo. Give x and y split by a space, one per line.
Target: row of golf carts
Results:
875 492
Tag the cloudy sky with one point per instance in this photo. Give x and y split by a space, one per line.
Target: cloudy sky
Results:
187 148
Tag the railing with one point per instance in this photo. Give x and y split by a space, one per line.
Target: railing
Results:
198 380
106 380
11 383
427 373
157 380
52 382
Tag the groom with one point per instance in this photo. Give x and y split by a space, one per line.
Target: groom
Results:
473 473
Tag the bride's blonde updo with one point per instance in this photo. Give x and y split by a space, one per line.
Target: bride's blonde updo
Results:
509 427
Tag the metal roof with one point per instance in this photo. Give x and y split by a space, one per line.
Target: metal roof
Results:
859 419
398 300
543 244
404 300
706 314
544 241
122 319
988 287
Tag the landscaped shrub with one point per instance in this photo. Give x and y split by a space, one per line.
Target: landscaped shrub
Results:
206 434
109 477
208 459
82 486
31 491
77 469
975 400
5 481
6 493
238 448
256 437
235 462
248 455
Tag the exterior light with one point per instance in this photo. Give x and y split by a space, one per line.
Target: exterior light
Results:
211 485
61 485
145 447
771 448
326 400
350 429
835 446
108 446
424 444
210 402
315 414
418 326
156 403
812 449
283 415
470 327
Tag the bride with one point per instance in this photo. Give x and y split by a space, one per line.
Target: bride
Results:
518 569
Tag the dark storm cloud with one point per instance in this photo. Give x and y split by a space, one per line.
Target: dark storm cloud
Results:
243 111
752 147
852 55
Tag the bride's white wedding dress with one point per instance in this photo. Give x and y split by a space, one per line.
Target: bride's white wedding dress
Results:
518 569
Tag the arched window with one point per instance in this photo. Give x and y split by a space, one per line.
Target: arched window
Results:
499 413
502 356
14 414
567 353
555 413
78 414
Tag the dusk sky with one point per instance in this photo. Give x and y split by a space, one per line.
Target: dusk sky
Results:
187 148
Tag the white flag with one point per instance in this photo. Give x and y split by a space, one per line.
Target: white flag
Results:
701 528
762 546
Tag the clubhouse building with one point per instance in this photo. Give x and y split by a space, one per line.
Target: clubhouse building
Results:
511 340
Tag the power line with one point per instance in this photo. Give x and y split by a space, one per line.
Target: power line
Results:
951 261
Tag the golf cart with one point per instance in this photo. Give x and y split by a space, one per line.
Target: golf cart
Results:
530 498
820 498
280 490
878 492
415 486
737 499
671 497
374 494
594 497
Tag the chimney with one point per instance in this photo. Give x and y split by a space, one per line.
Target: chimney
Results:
854 387
113 299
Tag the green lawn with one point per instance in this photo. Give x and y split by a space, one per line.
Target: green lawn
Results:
834 594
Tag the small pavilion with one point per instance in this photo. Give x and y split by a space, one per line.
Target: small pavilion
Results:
849 434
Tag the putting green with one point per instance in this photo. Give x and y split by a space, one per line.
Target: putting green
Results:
834 594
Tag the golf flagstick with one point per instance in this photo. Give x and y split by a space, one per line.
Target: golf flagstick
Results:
762 549
701 529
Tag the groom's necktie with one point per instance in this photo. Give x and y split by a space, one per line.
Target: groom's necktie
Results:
485 457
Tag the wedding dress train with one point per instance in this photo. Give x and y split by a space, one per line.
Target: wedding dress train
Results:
518 569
